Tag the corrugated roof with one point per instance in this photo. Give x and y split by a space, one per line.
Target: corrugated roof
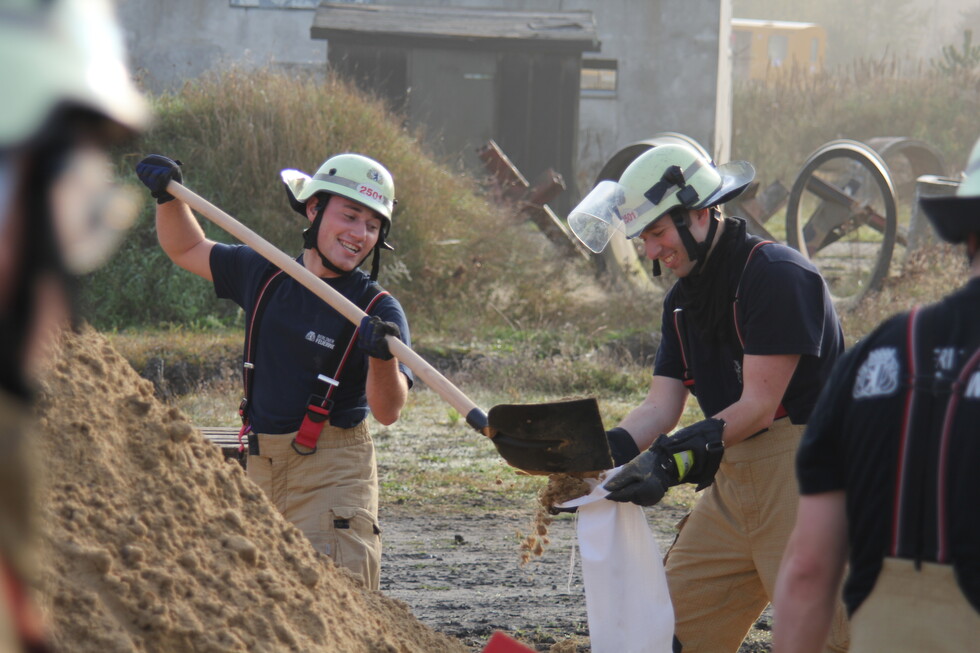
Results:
570 30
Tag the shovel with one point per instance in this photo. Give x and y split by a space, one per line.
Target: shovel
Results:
560 437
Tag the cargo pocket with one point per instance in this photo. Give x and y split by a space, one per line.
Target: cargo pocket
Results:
354 539
259 471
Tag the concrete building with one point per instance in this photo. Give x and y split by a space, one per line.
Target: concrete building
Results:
661 65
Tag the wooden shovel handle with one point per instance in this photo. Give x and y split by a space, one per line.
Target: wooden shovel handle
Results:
432 378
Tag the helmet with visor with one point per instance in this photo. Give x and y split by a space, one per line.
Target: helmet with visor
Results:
655 184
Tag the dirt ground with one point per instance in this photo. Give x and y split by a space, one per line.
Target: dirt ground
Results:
462 576
152 541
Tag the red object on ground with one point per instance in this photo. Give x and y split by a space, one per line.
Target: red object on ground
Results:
500 642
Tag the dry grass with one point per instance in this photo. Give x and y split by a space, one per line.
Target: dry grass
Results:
925 276
778 124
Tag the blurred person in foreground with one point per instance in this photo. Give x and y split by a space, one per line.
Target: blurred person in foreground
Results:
67 97
888 475
750 330
310 377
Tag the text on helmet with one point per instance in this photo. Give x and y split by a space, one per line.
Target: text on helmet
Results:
372 193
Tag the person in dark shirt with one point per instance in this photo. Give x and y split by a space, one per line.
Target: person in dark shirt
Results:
308 387
888 475
750 330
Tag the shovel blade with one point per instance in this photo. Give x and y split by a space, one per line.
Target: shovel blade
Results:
559 437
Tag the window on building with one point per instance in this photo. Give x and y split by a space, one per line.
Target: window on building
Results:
278 4
778 49
599 77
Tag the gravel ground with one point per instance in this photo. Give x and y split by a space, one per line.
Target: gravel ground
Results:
453 518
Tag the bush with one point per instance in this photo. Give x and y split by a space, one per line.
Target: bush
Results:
236 130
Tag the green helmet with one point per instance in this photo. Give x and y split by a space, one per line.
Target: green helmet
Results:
63 54
353 176
661 179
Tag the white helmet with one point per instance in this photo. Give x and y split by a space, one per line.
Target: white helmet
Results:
353 176
58 54
661 179
62 59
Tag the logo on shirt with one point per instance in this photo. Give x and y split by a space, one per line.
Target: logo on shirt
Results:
973 387
944 358
323 341
878 374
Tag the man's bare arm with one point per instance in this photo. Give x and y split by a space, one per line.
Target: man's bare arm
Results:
810 575
183 239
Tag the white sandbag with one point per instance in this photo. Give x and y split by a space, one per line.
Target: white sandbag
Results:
626 593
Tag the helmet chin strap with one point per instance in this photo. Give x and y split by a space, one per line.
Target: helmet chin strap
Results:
309 242
696 251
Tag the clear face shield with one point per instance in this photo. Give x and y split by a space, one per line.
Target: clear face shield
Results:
604 211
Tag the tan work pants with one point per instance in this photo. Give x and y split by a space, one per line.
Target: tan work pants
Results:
912 611
721 569
330 495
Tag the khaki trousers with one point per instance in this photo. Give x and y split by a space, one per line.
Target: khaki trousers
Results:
911 611
330 495
721 569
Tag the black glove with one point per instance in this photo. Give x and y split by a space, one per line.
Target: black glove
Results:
622 445
371 337
156 171
696 452
645 479
692 455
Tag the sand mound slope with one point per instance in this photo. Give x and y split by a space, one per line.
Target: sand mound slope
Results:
152 542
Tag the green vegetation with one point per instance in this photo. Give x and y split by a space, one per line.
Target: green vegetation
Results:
959 62
489 299
462 265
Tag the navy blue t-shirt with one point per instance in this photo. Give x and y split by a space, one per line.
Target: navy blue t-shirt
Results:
297 335
784 307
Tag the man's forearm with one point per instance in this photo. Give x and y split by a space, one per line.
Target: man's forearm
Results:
810 574
659 412
802 617
386 389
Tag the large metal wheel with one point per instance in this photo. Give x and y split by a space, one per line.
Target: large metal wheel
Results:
908 159
842 214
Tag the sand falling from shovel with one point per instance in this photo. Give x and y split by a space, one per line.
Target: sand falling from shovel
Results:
560 488
151 541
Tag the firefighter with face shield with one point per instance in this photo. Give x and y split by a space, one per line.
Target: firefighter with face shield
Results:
67 97
310 377
750 331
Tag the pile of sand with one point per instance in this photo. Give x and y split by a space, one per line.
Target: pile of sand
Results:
153 542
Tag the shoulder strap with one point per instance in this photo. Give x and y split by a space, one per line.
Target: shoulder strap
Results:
931 404
738 287
273 277
678 317
320 401
758 244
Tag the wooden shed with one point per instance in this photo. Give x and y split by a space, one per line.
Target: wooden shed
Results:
467 75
